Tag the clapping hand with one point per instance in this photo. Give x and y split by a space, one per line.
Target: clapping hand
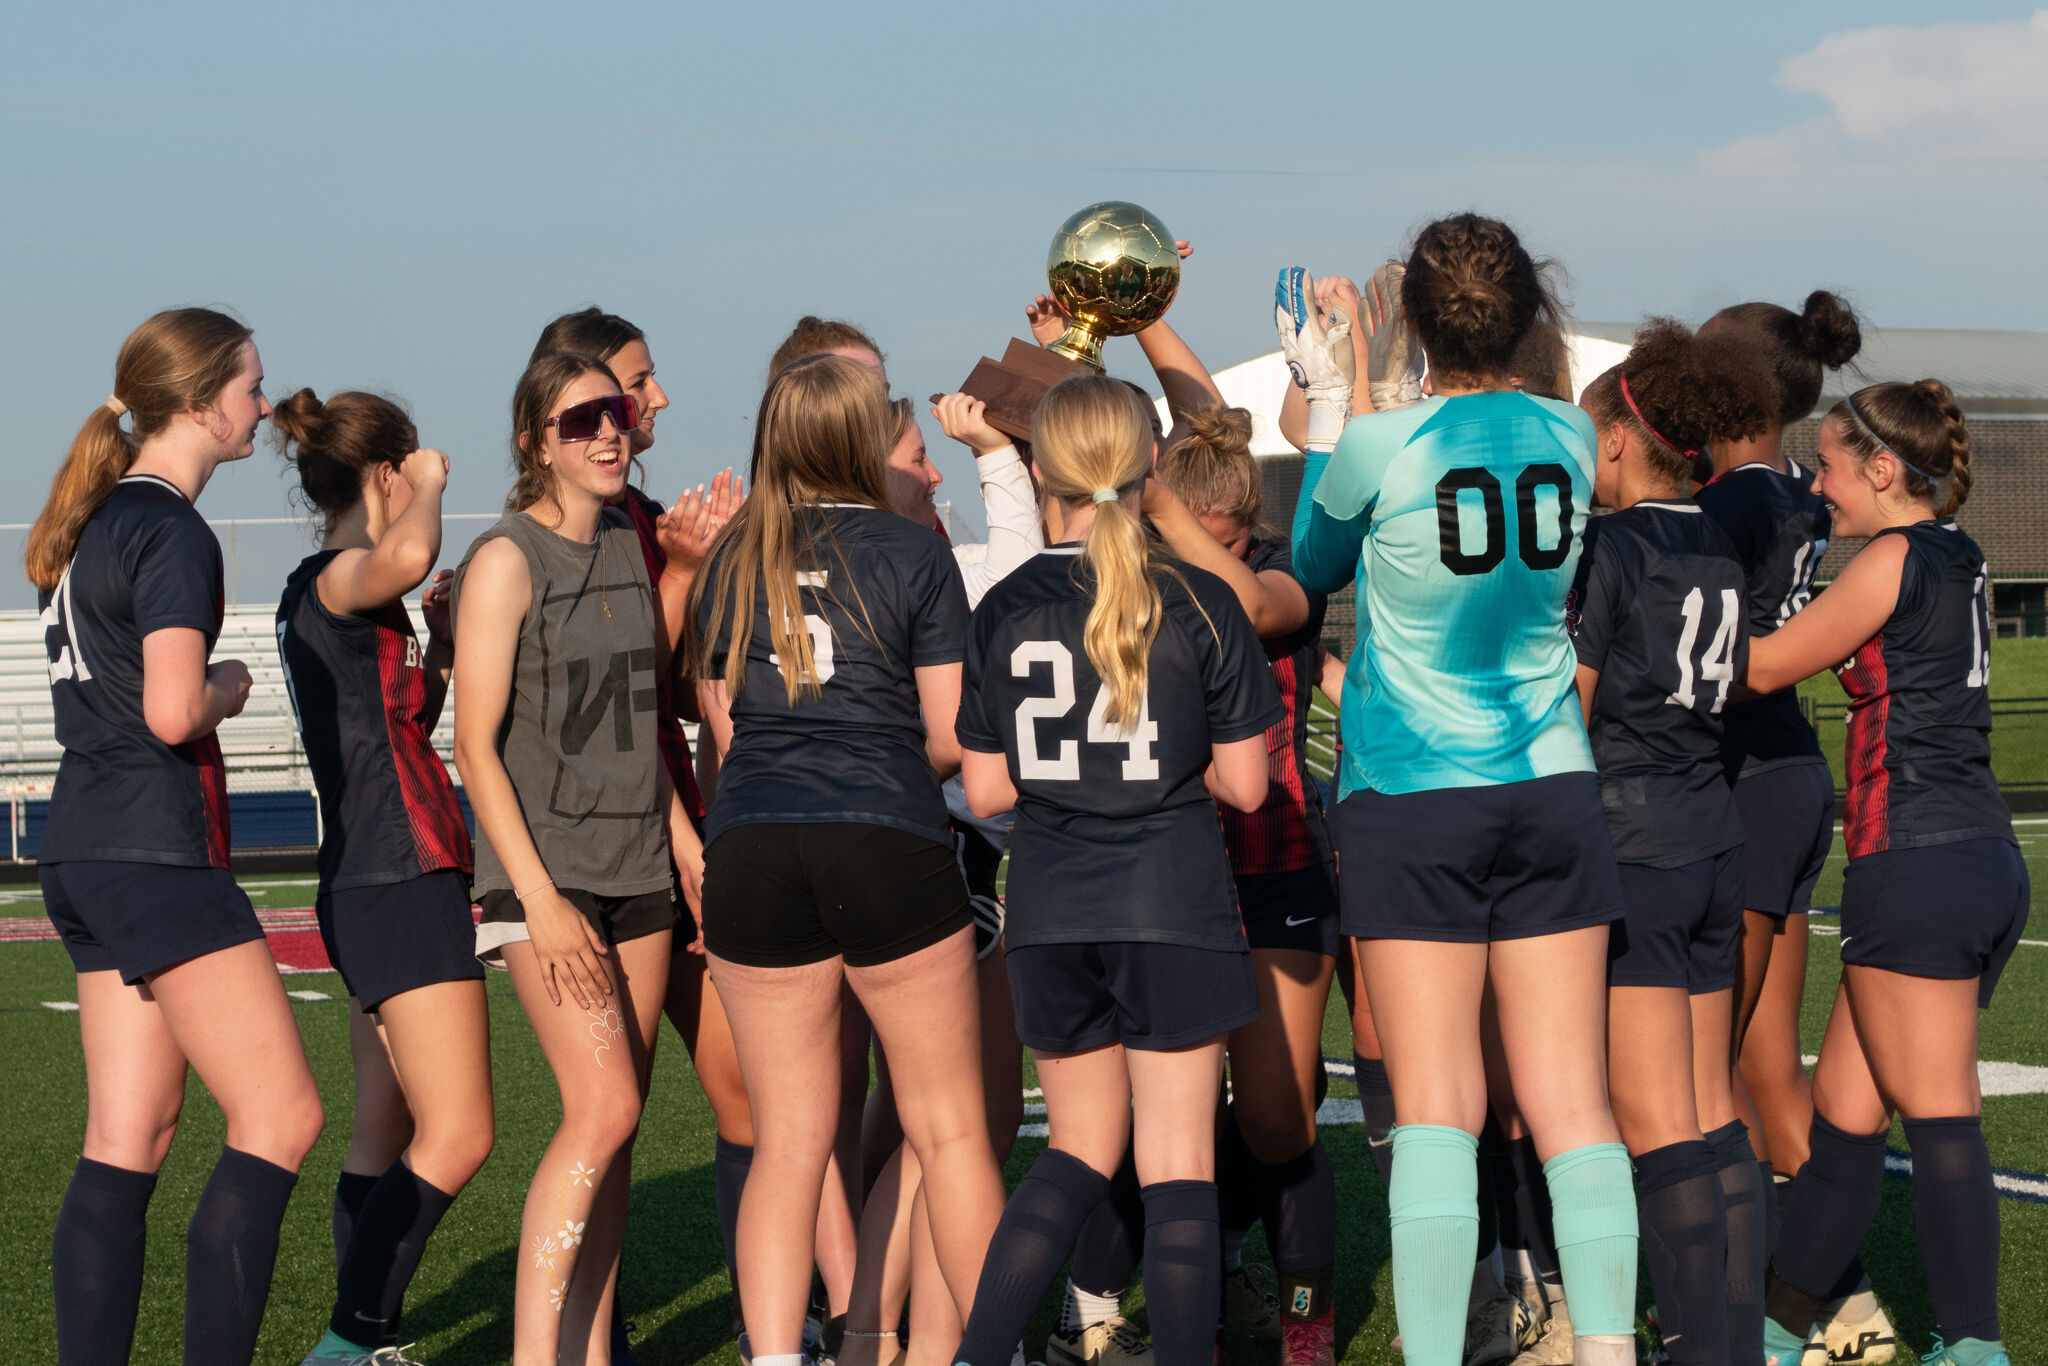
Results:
686 530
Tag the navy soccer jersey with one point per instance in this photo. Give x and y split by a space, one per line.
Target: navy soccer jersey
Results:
1919 742
1116 836
1779 529
1287 833
882 597
1658 610
358 687
146 561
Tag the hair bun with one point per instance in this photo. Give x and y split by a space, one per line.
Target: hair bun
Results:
1222 427
296 421
1828 330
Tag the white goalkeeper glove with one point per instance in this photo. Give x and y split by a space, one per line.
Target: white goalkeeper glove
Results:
1393 357
1318 353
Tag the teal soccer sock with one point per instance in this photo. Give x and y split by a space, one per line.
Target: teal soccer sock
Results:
1593 1206
1433 1207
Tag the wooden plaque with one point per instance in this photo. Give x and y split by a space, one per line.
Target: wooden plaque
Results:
1012 386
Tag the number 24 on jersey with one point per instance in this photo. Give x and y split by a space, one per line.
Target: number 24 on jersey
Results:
1064 765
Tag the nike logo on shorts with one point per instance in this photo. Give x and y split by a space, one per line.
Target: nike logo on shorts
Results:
1294 924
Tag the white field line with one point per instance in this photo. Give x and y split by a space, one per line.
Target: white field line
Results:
1833 931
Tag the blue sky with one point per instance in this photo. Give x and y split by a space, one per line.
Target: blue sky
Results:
398 196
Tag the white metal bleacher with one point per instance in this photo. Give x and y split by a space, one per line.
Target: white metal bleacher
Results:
261 745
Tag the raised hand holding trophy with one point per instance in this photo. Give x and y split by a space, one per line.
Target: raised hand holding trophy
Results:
1114 269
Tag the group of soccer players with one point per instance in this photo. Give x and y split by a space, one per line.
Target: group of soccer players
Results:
1563 874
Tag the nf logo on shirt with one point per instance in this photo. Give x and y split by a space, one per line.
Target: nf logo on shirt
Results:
615 694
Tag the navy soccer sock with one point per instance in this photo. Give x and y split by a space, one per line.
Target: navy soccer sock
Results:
1237 1193
230 1252
1376 1099
1106 1252
730 1164
1832 1204
1685 1243
1037 1231
1183 1270
96 1261
1743 1196
349 1193
1955 1214
1532 1215
390 1238
1298 1202
1490 1141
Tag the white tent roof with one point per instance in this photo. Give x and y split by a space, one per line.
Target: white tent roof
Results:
1261 382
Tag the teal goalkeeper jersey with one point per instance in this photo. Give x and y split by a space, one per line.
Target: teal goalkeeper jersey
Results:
1461 520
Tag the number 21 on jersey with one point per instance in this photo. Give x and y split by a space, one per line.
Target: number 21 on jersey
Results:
1065 764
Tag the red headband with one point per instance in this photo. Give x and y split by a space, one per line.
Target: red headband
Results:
1662 440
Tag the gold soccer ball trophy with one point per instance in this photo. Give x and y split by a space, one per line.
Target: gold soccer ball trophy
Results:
1114 268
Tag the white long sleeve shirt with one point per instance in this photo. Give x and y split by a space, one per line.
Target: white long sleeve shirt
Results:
1016 531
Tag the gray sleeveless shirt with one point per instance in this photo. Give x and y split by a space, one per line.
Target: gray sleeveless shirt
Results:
578 736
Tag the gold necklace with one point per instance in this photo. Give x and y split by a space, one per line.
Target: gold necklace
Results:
604 599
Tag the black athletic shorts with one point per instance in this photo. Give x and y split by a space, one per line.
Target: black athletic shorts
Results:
617 919
781 895
387 939
981 859
1943 910
1074 997
140 918
1788 825
1469 865
1681 927
1296 910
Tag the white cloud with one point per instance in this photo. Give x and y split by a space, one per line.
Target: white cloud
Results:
1964 90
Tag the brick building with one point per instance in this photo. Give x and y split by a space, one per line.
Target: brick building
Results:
2001 381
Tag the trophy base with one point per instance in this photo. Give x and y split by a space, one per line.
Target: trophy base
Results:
1012 386
1079 344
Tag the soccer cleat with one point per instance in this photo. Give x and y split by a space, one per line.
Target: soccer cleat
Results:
1552 1347
1966 1352
1781 1348
1654 1354
1855 1333
1497 1329
396 1356
333 1350
1249 1306
1309 1342
1112 1342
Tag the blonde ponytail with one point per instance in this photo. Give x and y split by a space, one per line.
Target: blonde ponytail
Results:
1091 436
822 436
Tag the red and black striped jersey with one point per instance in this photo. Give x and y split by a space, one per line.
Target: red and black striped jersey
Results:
1287 833
1919 742
358 687
670 740
145 562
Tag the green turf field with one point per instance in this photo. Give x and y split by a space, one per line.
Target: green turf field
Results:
675 1285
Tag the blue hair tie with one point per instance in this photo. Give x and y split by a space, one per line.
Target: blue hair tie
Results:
1107 495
